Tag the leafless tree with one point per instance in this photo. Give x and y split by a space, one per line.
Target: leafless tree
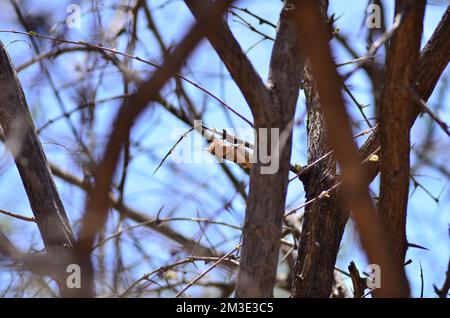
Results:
250 241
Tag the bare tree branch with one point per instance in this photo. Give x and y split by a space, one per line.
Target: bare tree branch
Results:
137 216
394 121
98 199
327 226
359 283
272 107
267 195
443 291
432 63
23 142
316 260
119 140
355 193
237 63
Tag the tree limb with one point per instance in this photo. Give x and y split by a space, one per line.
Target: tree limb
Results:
267 194
98 202
443 291
355 191
432 63
330 223
396 99
237 63
137 216
21 139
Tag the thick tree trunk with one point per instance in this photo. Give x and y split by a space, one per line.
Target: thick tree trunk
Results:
267 195
272 106
394 121
432 63
323 221
22 140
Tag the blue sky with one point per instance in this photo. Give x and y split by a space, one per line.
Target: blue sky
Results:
189 193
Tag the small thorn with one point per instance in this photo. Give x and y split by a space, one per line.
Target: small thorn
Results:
417 246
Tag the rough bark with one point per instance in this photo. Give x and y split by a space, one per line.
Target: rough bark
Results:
22 140
272 107
394 122
432 63
322 217
358 282
267 195
354 194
